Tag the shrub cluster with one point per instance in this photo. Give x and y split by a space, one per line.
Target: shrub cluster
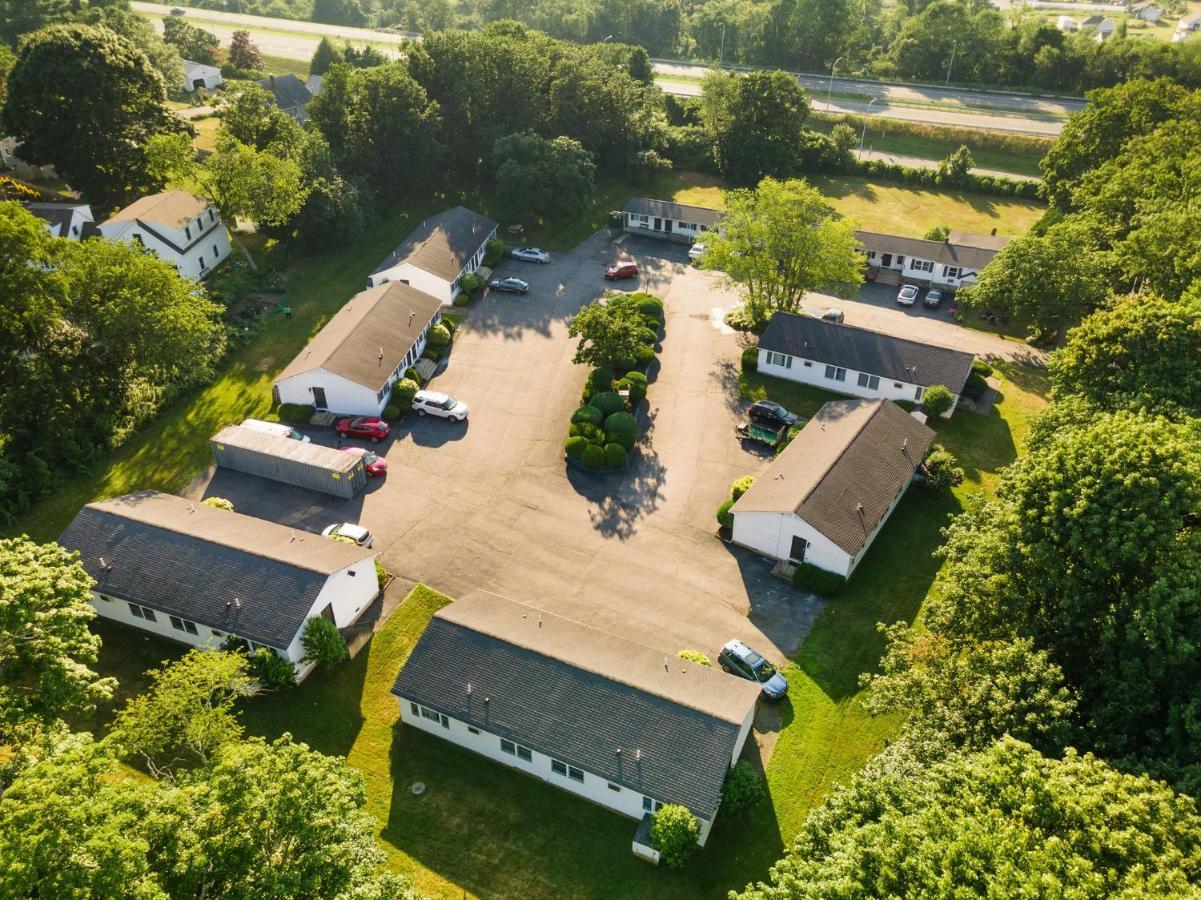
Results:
743 788
402 396
976 382
219 503
297 413
820 581
674 833
323 643
996 185
937 399
941 470
495 252
695 656
725 518
750 359
271 670
469 285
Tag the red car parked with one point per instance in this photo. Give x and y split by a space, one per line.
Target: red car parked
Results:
621 270
375 465
363 427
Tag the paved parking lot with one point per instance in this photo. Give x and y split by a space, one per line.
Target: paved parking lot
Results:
490 503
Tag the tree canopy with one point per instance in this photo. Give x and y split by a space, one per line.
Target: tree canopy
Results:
536 177
610 331
756 122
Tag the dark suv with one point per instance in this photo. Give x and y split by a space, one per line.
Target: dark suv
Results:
739 659
771 413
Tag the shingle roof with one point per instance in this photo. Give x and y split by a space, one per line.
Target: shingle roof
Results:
289 90
843 469
861 350
961 248
170 209
443 244
57 215
387 319
190 560
667 209
578 694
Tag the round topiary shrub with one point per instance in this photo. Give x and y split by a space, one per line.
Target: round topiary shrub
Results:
637 378
391 412
627 439
620 422
651 306
648 337
323 643
940 470
593 456
272 671
636 392
937 399
644 356
743 788
615 456
438 337
725 518
741 486
402 393
219 503
574 446
587 430
674 833
600 380
589 414
607 402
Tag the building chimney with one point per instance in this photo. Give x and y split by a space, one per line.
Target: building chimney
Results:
412 316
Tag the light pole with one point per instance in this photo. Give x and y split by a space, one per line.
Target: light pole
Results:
865 118
830 87
721 51
951 64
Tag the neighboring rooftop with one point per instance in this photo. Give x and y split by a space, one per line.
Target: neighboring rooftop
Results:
862 350
289 90
579 694
170 209
667 209
961 248
190 560
369 336
58 215
843 469
443 244
192 66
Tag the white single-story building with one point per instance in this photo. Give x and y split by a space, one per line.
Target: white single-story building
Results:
438 253
951 263
1067 24
205 576
1147 12
667 219
72 221
290 93
618 723
824 499
1099 26
176 227
200 76
1186 26
855 361
352 363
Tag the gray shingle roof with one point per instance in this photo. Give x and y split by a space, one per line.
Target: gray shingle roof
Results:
861 350
667 209
190 560
289 91
578 694
961 248
853 455
443 244
57 215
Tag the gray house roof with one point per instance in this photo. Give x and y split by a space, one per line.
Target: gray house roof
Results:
961 248
369 336
861 350
443 244
59 215
228 571
289 91
667 209
843 469
579 694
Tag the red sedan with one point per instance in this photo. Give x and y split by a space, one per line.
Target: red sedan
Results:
363 427
621 270
375 464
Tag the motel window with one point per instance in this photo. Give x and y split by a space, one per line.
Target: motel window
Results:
187 230
779 359
183 625
650 804
871 382
615 788
834 373
901 261
141 612
516 750
434 716
951 271
202 263
416 709
921 265
216 252
472 729
212 216
871 254
897 384
808 365
138 238
558 768
575 774
524 753
917 394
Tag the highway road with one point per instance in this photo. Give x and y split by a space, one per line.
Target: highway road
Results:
988 111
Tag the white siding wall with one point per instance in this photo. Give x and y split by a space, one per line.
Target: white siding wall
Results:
118 610
794 368
626 801
771 534
914 268
418 278
197 262
211 76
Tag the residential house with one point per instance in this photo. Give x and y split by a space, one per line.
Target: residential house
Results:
352 363
618 723
1146 12
438 253
1187 26
668 220
826 497
950 263
72 221
290 95
855 361
19 167
206 577
1067 24
175 226
200 77
1098 26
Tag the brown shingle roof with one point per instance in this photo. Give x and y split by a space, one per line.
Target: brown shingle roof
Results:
669 209
170 209
387 319
852 454
443 244
961 248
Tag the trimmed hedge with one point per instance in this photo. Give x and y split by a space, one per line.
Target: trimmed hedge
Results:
588 431
588 413
980 184
725 518
820 581
402 395
439 337
750 359
741 486
600 380
619 422
637 391
615 456
298 413
574 446
593 456
695 656
627 439
391 412
608 402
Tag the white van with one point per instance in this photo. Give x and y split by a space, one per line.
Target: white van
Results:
279 429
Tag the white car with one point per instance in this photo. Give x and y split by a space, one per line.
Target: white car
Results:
530 254
696 251
356 533
433 403
907 295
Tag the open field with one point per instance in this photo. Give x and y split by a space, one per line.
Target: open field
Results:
1135 28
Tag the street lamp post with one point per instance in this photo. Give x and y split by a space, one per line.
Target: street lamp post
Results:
865 118
951 64
830 87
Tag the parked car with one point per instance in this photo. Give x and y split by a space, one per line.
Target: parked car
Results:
509 285
772 413
696 251
369 427
907 295
835 315
356 533
279 429
621 270
433 403
739 659
178 12
375 464
932 299
530 254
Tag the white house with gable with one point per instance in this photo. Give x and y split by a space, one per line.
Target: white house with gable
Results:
206 577
950 263
72 221
200 76
175 226
438 253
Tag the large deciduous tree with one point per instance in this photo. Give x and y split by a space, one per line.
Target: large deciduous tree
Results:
779 241
757 122
537 177
244 54
193 43
610 331
86 100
